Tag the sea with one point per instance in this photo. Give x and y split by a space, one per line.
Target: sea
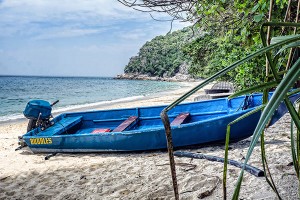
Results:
72 92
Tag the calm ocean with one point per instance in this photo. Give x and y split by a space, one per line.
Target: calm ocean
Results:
72 92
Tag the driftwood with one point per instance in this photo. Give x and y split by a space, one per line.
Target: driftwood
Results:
252 170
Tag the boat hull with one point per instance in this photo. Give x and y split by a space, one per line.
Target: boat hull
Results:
150 137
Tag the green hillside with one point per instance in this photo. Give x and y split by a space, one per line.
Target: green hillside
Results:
163 55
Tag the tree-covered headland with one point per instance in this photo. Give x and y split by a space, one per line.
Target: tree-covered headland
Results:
224 31
163 56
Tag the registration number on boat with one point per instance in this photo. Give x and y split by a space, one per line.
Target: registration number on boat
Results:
40 141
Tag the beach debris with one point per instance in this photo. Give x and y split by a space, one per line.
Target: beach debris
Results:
50 155
208 191
199 186
252 170
21 143
3 178
188 166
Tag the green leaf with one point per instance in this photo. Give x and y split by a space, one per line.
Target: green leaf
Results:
293 92
294 154
255 8
258 18
291 45
277 39
263 6
278 96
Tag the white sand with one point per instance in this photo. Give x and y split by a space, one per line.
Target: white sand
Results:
24 175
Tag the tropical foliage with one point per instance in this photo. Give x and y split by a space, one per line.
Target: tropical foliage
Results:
233 33
210 54
283 83
162 56
230 31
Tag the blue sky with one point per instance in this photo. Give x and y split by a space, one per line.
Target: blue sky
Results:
72 37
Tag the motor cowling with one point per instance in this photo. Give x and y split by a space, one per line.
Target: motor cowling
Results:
37 109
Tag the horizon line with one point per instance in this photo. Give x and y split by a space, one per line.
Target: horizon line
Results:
56 76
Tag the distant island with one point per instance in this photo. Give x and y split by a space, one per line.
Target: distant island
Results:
162 58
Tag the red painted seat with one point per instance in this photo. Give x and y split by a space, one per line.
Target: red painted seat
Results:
180 119
101 130
124 125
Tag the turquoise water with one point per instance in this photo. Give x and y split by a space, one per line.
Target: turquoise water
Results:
73 92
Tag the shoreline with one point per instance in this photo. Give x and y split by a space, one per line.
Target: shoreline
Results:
179 77
142 175
114 103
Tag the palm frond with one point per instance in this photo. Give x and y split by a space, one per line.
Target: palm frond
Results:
278 96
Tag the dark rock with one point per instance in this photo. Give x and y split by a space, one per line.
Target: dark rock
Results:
177 78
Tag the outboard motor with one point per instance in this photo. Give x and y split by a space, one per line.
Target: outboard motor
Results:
39 113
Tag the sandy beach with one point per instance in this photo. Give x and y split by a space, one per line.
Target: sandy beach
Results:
24 175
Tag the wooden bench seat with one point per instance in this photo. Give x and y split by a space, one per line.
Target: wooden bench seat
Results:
180 119
126 124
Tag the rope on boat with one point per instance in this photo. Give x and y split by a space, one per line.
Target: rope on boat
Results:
252 170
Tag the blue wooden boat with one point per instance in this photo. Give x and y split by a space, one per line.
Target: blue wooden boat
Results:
139 129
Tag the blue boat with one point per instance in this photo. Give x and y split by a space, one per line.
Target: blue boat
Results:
140 129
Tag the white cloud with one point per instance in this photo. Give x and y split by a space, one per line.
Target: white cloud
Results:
32 16
45 19
66 33
58 7
46 34
132 34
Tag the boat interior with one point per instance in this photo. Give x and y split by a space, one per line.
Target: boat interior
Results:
144 118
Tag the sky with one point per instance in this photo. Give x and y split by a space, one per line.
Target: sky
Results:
73 37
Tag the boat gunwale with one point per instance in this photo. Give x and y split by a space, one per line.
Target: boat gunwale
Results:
134 132
156 106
